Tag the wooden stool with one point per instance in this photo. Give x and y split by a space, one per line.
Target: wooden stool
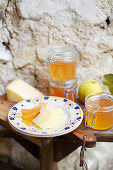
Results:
51 150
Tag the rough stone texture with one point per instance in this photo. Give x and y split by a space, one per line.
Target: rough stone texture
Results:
13 153
29 28
22 158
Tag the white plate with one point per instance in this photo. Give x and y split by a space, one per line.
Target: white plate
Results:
72 113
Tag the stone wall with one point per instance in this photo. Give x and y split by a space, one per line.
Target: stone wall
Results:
28 28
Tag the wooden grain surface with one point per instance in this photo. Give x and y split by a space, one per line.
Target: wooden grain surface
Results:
46 157
6 105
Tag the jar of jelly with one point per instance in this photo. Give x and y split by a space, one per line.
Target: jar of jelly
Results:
65 90
99 111
62 63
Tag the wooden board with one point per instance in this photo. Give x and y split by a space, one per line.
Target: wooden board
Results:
5 106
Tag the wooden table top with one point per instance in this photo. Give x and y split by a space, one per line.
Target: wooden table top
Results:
5 106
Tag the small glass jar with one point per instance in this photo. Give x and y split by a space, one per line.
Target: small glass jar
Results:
64 90
62 63
99 111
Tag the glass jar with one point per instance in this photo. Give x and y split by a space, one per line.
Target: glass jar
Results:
64 90
99 111
62 63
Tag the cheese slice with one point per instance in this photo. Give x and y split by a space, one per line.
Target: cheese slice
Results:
54 121
43 117
19 90
49 118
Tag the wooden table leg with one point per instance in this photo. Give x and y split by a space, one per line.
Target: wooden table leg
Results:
46 157
55 166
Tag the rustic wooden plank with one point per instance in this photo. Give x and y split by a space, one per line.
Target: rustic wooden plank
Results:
30 147
90 139
5 133
5 106
76 136
102 136
4 166
46 157
55 166
63 146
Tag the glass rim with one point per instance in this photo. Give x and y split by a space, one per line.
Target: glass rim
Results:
99 94
70 52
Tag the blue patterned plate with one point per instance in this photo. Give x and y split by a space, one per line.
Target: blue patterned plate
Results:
72 114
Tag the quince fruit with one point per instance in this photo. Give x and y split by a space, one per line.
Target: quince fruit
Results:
88 87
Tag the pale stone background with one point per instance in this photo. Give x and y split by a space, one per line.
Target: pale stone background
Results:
28 28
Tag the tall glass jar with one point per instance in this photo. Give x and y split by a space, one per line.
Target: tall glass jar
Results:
61 89
62 63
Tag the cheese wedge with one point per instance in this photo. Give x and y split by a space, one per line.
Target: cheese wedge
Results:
19 90
49 118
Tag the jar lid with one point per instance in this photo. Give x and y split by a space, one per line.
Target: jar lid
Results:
63 85
62 54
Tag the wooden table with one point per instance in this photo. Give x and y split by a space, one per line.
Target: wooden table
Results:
51 150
